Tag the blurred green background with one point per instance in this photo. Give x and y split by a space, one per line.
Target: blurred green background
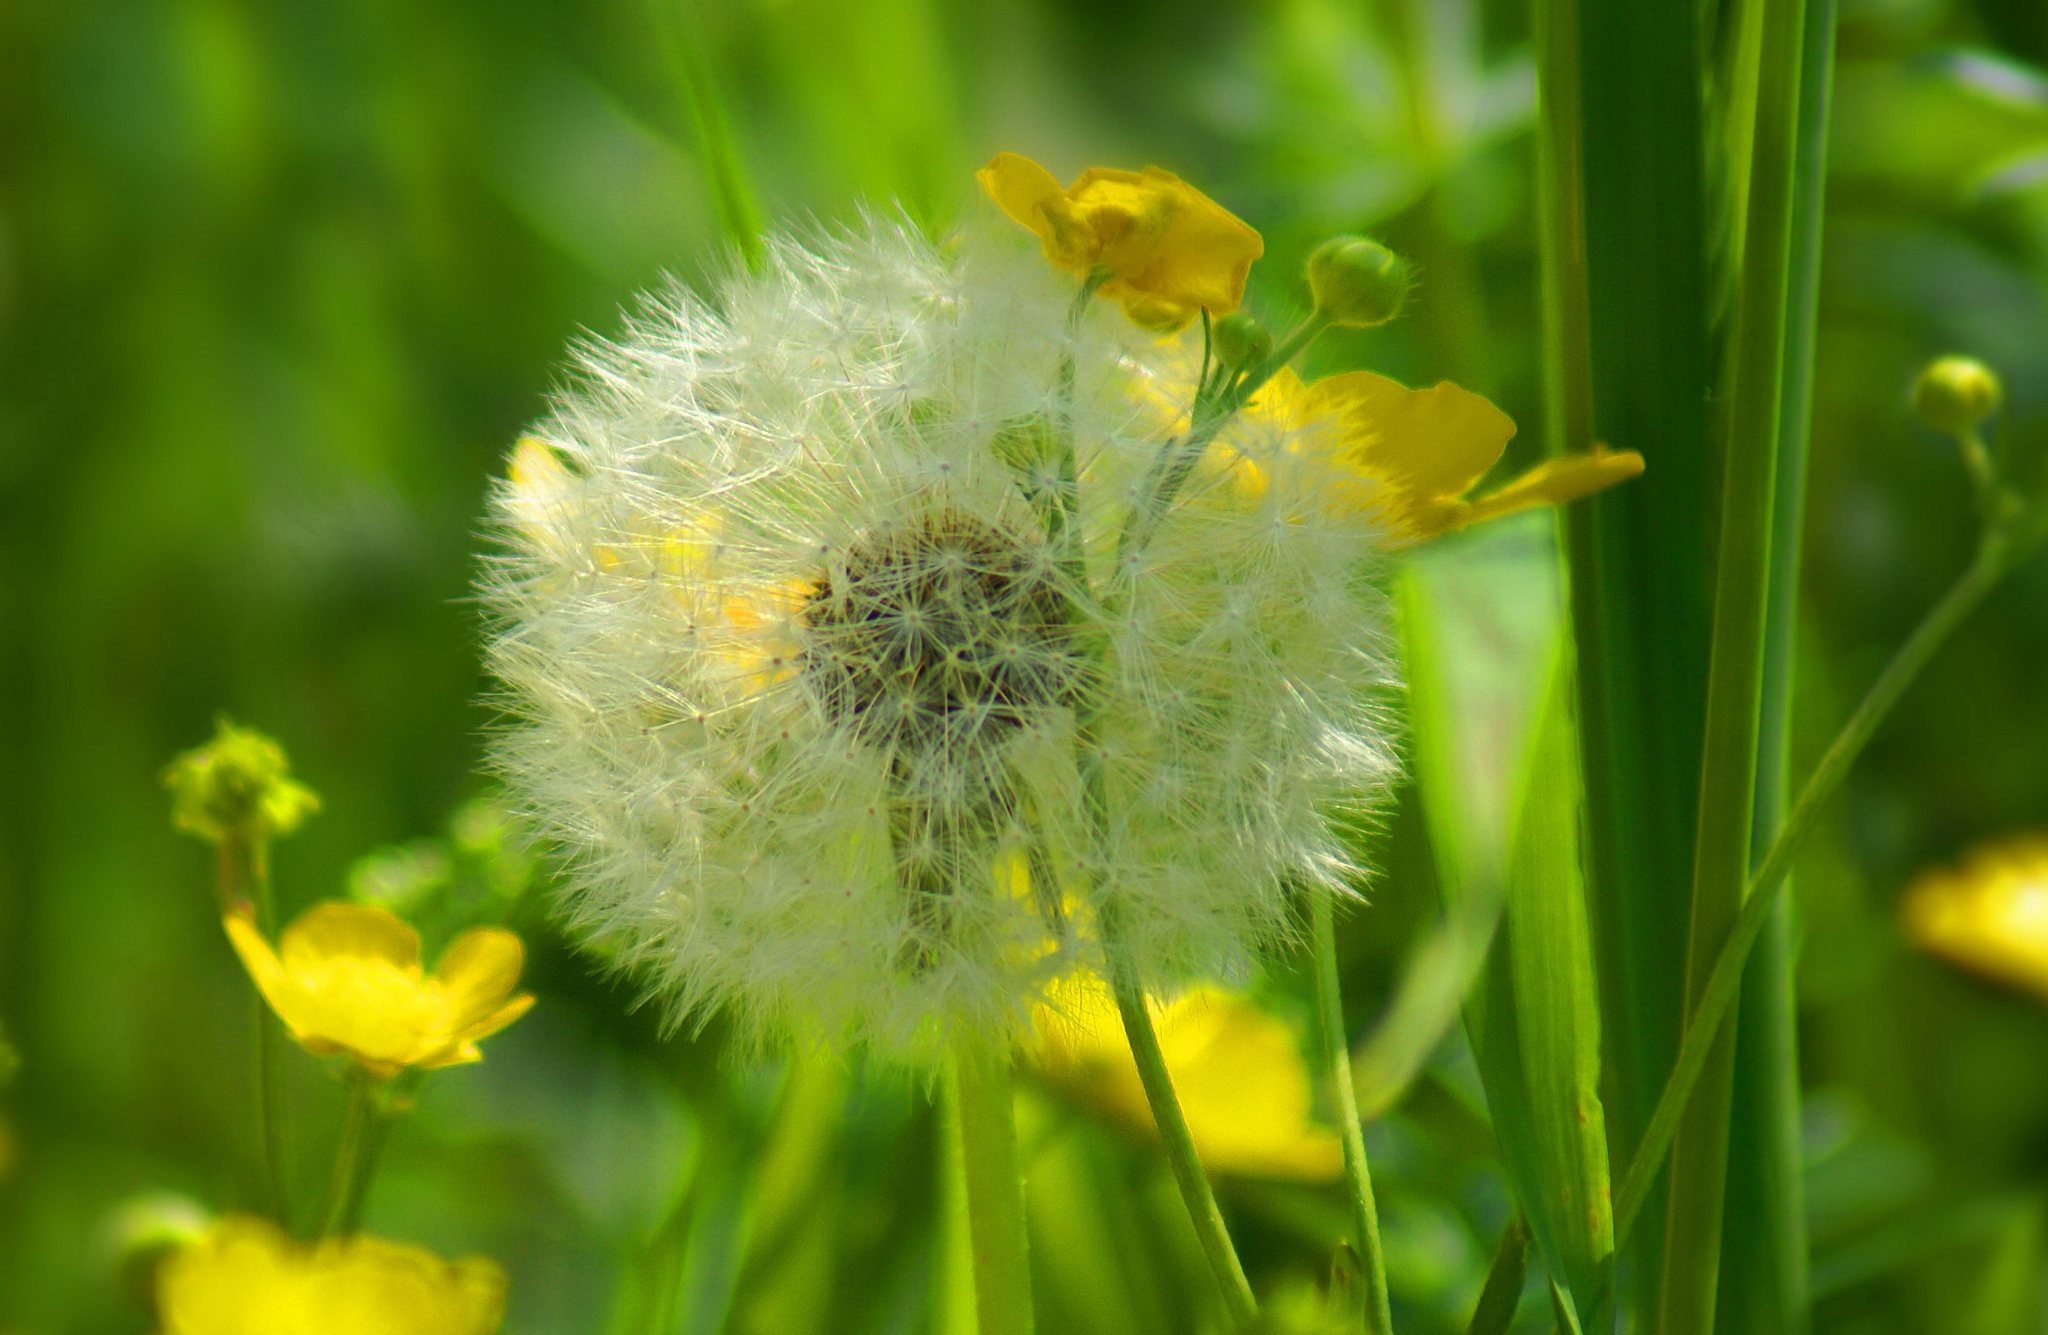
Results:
279 282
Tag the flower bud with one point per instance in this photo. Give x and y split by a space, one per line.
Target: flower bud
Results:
238 785
1955 394
140 1232
1241 340
1356 281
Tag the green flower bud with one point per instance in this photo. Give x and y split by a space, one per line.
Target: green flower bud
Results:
138 1235
1356 281
238 785
1955 394
1241 340
404 879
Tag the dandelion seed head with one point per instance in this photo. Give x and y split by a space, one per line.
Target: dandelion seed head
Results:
799 660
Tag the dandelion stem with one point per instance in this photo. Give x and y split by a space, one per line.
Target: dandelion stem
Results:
995 1194
1337 1056
352 1157
1999 553
1174 1135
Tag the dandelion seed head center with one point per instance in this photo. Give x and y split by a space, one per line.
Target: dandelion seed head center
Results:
940 631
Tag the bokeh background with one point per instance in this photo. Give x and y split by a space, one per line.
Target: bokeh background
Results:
280 282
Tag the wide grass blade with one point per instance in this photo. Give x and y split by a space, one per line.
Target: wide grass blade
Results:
1638 554
1498 769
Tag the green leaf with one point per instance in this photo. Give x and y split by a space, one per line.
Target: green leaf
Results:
1496 756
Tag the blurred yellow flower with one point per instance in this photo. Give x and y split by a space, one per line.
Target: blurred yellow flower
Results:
346 979
245 1277
237 785
1237 1069
1990 915
1411 455
1169 249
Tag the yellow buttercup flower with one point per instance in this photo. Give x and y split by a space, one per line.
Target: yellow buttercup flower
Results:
1990 915
1237 1069
346 979
245 1277
1170 250
1411 455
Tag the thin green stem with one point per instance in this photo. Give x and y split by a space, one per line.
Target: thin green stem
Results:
1174 1135
1211 412
995 1188
242 868
1365 1215
351 1157
1722 853
1725 981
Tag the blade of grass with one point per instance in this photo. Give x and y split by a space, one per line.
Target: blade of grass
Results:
1728 766
725 169
1496 763
1764 1279
1620 84
981 1075
1504 1278
1556 1009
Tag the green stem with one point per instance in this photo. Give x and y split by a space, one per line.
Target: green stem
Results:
995 1194
1209 415
243 872
1728 768
1337 1057
352 1157
1725 981
1174 1135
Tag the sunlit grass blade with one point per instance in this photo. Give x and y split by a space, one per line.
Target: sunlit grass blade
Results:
1728 767
1498 769
1764 1266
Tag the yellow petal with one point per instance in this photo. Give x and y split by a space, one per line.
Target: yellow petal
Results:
265 969
1990 915
486 1025
1559 480
1170 250
247 1278
1242 1084
1021 188
459 1054
1427 444
361 931
1031 195
1164 239
477 972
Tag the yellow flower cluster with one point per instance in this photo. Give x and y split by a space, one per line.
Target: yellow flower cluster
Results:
346 979
1989 915
1411 457
1242 1084
245 1277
